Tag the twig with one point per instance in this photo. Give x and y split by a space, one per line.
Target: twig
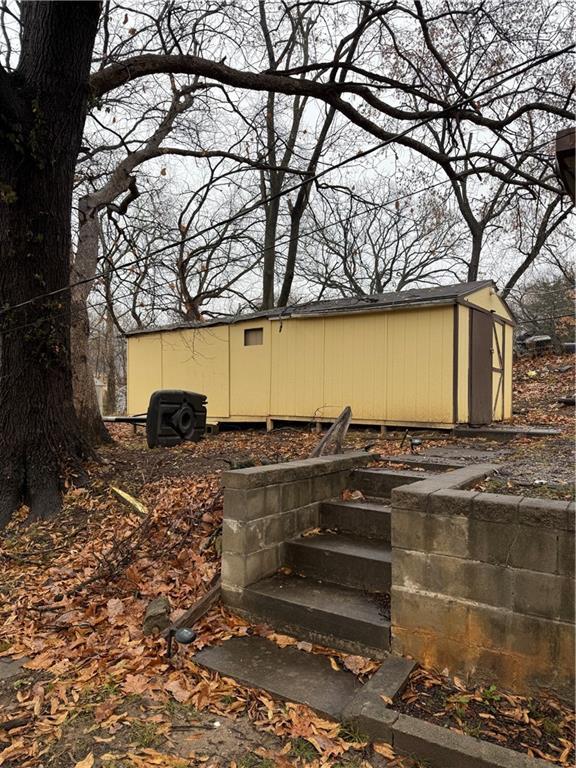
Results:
15 722
20 559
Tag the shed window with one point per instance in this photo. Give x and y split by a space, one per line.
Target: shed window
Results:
253 337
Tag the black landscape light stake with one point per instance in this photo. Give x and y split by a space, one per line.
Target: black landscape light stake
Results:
404 438
182 635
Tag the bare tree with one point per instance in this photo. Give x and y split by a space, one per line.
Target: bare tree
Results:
44 100
120 182
362 245
545 305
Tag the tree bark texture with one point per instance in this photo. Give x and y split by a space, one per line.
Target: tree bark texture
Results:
476 252
110 395
42 111
84 268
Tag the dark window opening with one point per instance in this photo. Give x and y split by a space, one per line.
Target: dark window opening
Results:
253 337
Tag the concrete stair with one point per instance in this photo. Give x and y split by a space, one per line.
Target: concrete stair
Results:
381 482
336 590
369 518
348 560
286 673
308 678
324 613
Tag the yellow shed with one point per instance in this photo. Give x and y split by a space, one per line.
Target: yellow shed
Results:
425 357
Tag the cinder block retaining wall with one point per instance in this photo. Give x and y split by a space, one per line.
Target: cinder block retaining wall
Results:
266 506
483 584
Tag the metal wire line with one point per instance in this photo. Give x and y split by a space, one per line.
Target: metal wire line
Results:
222 222
264 201
281 241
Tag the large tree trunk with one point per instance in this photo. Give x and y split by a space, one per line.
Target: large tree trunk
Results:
83 269
271 209
85 398
44 103
474 263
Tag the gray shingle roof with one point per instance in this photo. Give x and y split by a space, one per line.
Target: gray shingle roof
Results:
439 294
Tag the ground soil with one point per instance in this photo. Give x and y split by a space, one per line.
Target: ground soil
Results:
541 726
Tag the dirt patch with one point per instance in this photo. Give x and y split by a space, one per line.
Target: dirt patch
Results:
543 468
133 731
541 727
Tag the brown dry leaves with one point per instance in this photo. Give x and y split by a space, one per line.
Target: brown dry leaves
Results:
538 383
87 646
541 727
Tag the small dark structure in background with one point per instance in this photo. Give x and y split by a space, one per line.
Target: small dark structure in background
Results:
528 343
174 416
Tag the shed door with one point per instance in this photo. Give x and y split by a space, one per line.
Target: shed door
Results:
498 370
480 367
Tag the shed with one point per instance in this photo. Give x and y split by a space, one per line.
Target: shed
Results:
429 357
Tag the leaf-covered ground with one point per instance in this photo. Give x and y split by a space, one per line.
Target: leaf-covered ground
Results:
540 726
94 691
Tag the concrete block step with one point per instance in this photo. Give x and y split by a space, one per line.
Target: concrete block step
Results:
348 560
286 673
328 614
366 708
380 482
427 460
504 432
362 518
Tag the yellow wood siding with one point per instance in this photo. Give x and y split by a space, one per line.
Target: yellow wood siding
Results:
393 366
355 366
196 359
297 374
487 298
463 362
143 370
420 371
250 371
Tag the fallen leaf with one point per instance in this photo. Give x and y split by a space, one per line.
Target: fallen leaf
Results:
178 691
359 665
137 505
352 495
114 607
105 709
136 684
87 762
384 749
